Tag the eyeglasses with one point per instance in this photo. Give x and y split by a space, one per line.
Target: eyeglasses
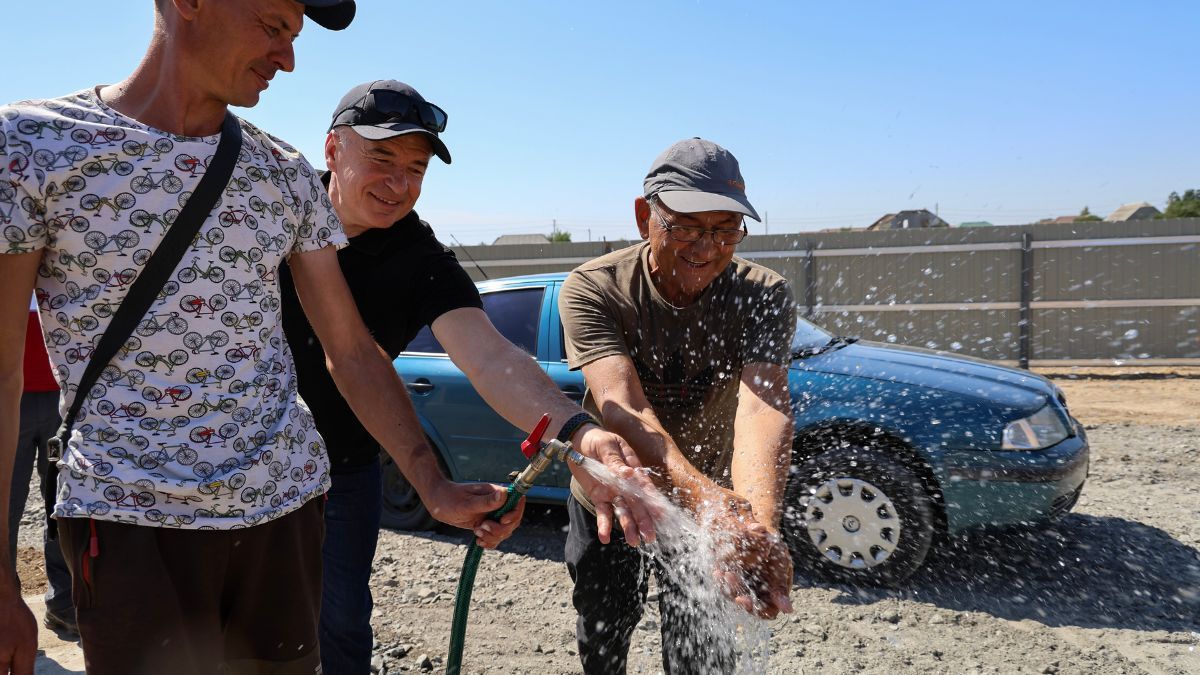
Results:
391 106
689 235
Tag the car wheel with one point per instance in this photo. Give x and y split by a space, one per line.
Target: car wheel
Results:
402 506
858 515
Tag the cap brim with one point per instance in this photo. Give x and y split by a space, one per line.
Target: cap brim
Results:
690 201
382 132
334 15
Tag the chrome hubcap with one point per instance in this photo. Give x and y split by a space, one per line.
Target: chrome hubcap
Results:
852 523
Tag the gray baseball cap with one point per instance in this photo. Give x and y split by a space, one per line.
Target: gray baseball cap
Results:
696 175
331 14
384 109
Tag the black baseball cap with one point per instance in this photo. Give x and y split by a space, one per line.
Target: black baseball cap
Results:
695 175
385 109
331 14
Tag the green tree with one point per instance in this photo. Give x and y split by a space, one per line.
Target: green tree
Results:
556 235
1086 216
1187 206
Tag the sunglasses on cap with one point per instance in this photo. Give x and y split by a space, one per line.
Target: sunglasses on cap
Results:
381 106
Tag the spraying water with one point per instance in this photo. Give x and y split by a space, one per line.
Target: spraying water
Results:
690 553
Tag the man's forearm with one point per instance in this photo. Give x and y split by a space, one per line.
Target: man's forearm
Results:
762 442
10 421
673 473
762 452
515 386
378 398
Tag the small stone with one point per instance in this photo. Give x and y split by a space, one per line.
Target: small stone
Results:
424 663
398 652
937 619
376 663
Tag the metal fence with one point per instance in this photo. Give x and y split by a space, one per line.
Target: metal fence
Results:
1079 293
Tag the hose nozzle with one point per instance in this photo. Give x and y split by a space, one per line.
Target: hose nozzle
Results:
542 459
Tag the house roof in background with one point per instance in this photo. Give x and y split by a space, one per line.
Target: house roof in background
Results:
1135 211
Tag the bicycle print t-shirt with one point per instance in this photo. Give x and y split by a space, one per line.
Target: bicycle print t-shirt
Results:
195 423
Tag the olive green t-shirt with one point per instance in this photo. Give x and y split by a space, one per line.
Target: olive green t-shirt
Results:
689 359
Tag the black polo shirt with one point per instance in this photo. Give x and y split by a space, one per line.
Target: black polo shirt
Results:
402 278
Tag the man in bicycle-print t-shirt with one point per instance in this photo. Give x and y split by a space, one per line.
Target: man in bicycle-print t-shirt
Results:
380 142
188 495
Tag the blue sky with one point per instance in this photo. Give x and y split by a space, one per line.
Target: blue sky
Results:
839 112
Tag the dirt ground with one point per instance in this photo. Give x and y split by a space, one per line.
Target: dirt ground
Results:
1114 588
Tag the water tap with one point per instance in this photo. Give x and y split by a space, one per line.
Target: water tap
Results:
542 454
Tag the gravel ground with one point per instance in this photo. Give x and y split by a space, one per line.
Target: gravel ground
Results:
1114 588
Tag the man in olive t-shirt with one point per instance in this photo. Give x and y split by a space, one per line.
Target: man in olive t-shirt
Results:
685 350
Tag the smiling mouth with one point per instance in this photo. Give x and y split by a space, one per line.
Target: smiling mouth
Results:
692 263
381 200
265 77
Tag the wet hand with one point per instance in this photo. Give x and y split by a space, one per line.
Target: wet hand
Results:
755 569
630 498
470 505
766 569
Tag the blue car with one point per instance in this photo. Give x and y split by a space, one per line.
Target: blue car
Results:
894 445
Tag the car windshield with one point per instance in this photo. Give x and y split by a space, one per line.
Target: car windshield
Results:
809 336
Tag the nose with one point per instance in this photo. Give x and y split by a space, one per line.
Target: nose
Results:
398 181
706 242
285 57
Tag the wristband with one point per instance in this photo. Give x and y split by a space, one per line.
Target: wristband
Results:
577 420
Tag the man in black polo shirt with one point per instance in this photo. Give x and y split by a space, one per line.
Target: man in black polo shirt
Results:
378 149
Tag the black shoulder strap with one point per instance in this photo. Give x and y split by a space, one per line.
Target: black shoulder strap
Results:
150 282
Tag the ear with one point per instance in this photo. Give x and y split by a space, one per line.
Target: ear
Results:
331 150
186 9
641 211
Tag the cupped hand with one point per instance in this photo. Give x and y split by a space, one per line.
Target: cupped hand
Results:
755 567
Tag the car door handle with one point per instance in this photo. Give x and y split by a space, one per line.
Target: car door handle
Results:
573 393
421 386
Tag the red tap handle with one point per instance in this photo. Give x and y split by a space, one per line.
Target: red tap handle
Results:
531 445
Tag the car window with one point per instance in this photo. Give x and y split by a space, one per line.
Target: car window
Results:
514 313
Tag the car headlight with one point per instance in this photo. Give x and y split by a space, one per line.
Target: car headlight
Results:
1040 430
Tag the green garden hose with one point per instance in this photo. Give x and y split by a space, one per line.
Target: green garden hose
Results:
541 456
466 583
